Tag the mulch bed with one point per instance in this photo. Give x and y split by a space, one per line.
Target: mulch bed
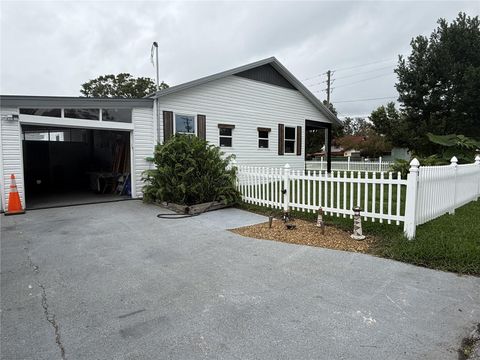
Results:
306 233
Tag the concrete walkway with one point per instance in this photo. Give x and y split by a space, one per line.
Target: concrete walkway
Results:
112 281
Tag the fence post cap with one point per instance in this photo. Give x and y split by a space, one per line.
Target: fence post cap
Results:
454 160
287 166
415 163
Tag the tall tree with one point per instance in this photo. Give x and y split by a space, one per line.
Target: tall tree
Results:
439 83
123 85
356 126
388 121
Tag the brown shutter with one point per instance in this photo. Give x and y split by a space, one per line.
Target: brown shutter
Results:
202 126
167 125
281 139
299 140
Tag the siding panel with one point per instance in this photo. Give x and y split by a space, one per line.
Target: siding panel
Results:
144 143
11 161
248 104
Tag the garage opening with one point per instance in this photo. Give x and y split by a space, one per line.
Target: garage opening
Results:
71 166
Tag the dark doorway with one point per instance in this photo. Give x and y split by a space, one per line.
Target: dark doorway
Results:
318 141
69 166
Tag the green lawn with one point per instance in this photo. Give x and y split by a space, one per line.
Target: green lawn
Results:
450 243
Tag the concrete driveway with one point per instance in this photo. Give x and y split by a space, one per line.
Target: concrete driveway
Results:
111 281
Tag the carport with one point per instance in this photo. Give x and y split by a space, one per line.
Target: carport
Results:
64 166
68 151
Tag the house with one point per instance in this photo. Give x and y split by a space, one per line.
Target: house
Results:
346 146
62 148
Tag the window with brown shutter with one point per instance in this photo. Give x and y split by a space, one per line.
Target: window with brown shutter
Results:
281 139
290 139
299 140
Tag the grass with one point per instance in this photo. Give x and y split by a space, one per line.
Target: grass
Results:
449 243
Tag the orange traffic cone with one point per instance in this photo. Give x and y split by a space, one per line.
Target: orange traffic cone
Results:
14 203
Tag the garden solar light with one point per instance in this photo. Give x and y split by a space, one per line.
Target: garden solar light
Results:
320 222
286 215
357 224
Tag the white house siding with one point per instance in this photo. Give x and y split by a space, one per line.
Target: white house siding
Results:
11 159
144 141
247 104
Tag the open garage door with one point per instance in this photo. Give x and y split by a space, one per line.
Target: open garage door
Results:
70 166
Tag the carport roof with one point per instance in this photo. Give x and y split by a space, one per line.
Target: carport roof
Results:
70 101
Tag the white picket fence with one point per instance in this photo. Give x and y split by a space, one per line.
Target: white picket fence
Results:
427 193
442 189
348 165
337 193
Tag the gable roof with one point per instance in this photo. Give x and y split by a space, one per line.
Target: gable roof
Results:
271 61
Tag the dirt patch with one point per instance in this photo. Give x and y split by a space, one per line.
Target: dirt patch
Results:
306 233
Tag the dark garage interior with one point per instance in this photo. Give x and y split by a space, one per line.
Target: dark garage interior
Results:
69 166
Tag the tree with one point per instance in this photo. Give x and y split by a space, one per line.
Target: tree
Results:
439 84
123 85
356 126
375 145
388 121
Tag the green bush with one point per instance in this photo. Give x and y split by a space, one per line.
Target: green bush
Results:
403 166
190 171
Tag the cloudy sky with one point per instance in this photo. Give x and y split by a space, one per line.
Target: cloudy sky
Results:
51 48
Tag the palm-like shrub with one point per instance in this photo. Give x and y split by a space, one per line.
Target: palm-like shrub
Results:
189 171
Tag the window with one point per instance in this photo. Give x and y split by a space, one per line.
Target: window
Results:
86 114
225 136
56 135
290 140
117 115
263 137
184 124
42 112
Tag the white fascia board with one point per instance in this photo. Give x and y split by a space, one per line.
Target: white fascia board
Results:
74 123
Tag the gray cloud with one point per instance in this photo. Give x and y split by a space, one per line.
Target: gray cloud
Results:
50 48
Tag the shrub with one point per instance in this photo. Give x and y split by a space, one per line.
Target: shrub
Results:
190 171
403 166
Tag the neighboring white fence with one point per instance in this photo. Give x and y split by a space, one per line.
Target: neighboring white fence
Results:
428 192
348 165
440 190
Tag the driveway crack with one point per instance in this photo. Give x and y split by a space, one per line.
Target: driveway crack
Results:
51 319
48 315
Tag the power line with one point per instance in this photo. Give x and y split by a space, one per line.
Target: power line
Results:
363 80
363 72
348 68
362 65
349 76
370 99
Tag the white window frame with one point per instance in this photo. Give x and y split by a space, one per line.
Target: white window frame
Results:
195 125
267 138
225 136
285 140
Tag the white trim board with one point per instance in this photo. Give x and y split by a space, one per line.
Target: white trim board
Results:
74 123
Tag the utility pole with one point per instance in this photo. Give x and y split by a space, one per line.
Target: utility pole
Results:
329 73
